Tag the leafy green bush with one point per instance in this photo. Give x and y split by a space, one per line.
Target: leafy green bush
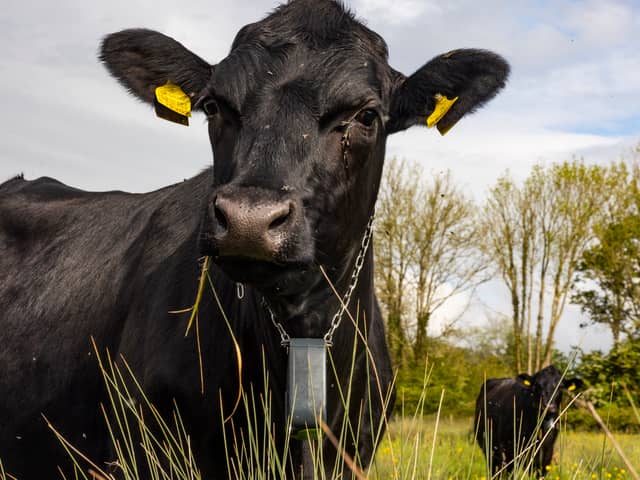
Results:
608 375
617 418
458 371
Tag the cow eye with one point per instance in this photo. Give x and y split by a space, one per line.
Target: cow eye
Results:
367 117
210 107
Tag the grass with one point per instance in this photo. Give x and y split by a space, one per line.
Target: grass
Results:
405 453
413 446
146 445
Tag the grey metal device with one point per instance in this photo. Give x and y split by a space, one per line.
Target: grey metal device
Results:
307 384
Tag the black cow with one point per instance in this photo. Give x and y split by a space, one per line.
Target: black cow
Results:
516 419
298 115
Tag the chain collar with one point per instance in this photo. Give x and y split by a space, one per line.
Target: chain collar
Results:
344 302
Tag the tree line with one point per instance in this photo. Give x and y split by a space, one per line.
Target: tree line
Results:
568 233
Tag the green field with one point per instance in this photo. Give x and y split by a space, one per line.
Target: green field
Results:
406 453
413 447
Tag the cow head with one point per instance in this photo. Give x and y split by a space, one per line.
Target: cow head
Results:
298 114
545 388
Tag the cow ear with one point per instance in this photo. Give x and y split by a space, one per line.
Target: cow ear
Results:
143 60
573 384
525 379
447 88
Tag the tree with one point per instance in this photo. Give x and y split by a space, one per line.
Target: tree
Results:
534 236
607 284
426 248
446 260
581 191
393 249
508 239
613 268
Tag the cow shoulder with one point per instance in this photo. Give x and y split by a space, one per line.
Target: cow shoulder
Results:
25 208
85 241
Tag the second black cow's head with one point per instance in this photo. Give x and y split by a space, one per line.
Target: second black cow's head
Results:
545 390
298 113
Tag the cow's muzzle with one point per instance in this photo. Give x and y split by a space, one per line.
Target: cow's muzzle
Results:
254 224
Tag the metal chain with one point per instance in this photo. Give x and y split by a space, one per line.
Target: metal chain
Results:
344 303
284 336
355 274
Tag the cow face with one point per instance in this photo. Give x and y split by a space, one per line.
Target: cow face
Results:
545 388
302 156
298 117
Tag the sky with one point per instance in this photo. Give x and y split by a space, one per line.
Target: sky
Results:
574 91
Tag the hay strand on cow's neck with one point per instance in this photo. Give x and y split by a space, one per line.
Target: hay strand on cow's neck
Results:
196 304
194 316
236 345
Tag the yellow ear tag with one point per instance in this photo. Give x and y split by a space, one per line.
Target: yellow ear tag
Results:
527 383
171 96
443 104
572 387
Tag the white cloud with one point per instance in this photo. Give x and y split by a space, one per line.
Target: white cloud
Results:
477 152
492 298
601 22
396 12
584 94
451 313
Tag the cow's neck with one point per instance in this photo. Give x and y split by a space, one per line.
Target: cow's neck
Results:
318 305
321 303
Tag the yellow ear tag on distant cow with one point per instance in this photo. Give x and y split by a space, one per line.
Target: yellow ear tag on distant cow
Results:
173 104
572 387
443 105
527 383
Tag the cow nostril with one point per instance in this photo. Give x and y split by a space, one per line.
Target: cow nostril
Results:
220 217
280 217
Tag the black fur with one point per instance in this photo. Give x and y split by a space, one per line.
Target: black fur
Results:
527 405
286 126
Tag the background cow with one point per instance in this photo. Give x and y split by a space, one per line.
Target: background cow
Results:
298 115
517 417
